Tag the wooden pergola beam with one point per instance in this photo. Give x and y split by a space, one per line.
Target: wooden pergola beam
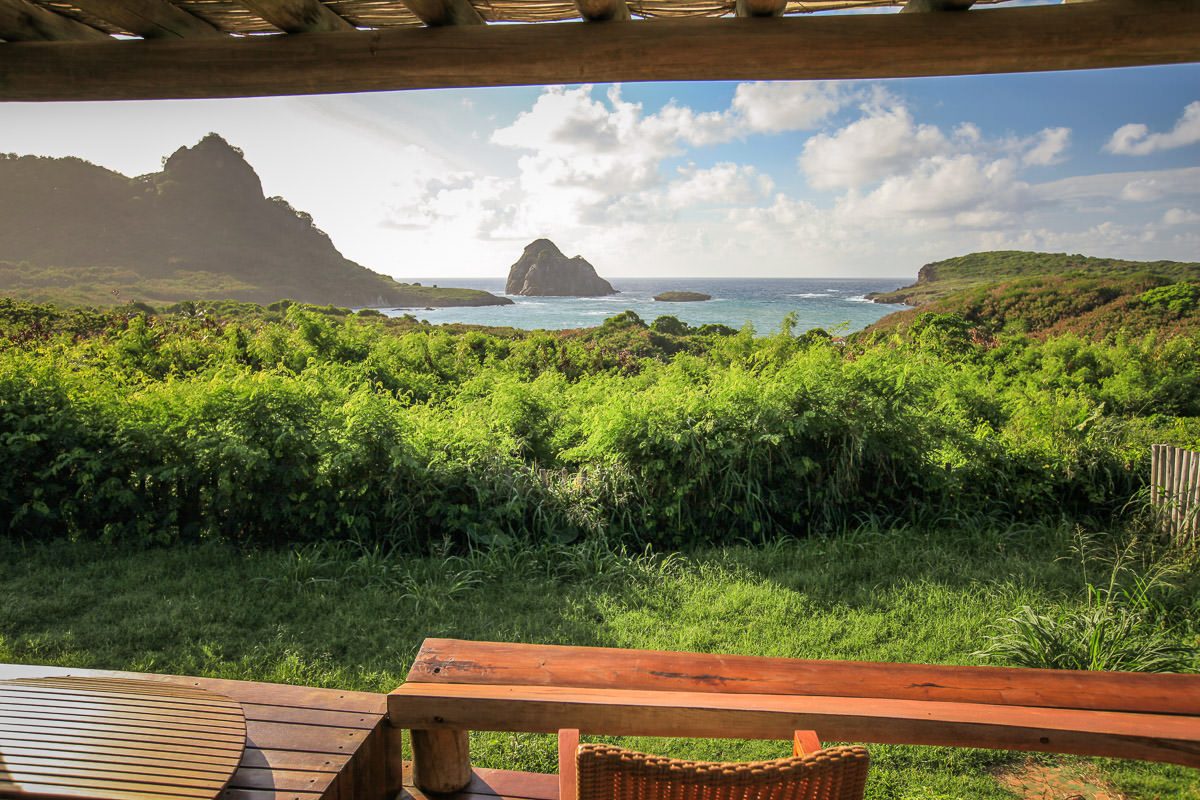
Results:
151 19
1106 33
445 13
21 21
298 16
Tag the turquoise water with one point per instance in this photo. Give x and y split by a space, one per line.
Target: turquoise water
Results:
818 303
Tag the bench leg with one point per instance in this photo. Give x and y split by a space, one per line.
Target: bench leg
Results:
441 760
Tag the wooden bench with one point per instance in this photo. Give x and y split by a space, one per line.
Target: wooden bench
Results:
302 743
458 686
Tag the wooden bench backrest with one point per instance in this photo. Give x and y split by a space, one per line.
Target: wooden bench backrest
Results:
452 661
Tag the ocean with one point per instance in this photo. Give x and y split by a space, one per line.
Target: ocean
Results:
837 305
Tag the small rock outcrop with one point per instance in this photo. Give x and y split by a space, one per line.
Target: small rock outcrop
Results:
682 297
543 271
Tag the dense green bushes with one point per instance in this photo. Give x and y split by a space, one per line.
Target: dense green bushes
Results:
306 424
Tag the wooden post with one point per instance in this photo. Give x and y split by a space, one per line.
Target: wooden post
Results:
441 760
1194 500
1177 484
1155 483
1175 492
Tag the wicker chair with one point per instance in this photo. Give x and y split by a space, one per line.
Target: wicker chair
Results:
603 772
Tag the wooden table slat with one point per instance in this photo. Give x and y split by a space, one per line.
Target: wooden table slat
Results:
287 780
39 784
180 757
94 744
43 770
310 716
8 789
242 691
136 737
310 738
104 718
188 701
294 759
27 705
108 757
261 794
119 764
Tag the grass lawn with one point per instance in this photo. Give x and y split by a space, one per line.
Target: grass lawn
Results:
353 617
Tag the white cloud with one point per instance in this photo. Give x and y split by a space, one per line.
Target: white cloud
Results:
466 203
1180 216
1048 147
725 184
1135 139
1130 186
885 142
962 189
591 159
773 107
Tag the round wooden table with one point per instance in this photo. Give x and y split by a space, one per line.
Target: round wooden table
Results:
116 739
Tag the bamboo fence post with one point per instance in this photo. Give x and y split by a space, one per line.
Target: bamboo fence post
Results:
1194 500
1175 492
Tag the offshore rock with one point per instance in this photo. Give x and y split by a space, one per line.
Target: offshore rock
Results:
543 271
682 297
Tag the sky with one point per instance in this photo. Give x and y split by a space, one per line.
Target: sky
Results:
853 179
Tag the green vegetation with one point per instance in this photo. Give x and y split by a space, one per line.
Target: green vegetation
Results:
302 423
301 493
942 278
1089 307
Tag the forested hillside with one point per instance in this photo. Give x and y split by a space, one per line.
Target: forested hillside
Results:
1091 306
73 232
943 278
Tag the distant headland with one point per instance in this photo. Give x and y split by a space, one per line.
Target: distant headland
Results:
940 279
76 233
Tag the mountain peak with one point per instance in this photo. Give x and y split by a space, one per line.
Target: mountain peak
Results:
215 164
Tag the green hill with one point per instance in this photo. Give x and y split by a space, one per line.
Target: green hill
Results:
72 232
1089 306
943 278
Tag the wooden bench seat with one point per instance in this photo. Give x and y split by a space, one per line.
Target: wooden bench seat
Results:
457 686
302 743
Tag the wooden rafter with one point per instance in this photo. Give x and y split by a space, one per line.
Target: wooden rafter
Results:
1025 39
150 19
298 16
442 13
21 21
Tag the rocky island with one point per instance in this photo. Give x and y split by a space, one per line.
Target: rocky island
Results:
682 297
543 271
72 232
